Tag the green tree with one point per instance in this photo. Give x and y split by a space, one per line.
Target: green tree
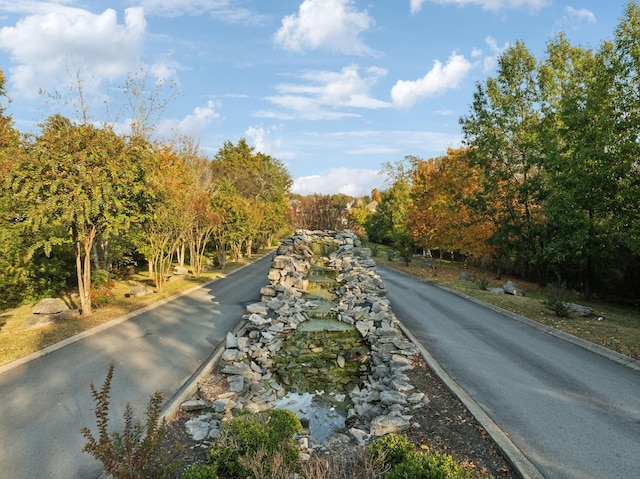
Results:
80 178
388 225
501 132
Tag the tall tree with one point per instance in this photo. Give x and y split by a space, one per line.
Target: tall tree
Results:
502 133
79 177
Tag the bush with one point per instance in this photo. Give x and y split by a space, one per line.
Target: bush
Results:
403 460
558 298
200 471
428 466
483 282
134 453
269 434
101 288
392 449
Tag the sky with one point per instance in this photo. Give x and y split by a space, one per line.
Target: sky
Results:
332 88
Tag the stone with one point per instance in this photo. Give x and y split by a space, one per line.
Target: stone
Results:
236 383
392 397
466 276
510 288
231 341
180 270
578 310
50 306
257 320
257 308
194 405
383 425
140 290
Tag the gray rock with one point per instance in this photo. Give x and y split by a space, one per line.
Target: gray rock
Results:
50 306
194 405
511 288
382 425
231 341
578 310
140 290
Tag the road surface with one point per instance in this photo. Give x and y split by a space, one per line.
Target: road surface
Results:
45 403
572 412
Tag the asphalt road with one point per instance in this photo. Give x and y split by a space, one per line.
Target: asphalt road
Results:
45 402
573 413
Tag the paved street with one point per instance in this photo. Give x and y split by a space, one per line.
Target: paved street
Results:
45 403
573 413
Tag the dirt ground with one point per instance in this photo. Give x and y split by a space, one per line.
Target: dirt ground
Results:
445 426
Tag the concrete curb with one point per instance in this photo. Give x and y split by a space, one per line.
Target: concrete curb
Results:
522 465
114 322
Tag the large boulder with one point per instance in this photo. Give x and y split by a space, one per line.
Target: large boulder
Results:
50 306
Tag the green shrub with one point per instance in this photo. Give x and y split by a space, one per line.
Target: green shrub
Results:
392 448
557 299
428 466
201 471
482 281
404 461
136 452
270 433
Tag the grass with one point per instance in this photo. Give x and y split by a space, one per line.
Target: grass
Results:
16 343
618 330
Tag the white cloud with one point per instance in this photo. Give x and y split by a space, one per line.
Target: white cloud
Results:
579 15
260 139
491 60
416 5
334 25
221 9
192 125
96 41
406 93
348 181
323 93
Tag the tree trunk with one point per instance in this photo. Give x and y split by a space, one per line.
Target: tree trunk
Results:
83 268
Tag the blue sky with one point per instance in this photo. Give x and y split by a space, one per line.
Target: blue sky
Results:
333 88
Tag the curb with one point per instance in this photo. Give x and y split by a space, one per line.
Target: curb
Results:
114 322
522 465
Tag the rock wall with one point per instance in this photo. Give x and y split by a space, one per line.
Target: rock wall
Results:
379 404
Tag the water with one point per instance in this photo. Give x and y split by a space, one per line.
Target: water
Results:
324 418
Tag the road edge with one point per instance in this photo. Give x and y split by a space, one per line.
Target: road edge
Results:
121 319
522 465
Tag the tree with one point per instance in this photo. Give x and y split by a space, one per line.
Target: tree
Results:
440 216
388 225
79 177
501 132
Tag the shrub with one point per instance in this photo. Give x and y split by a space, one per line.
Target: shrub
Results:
428 466
201 471
558 298
101 288
392 448
134 453
270 433
483 282
403 460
